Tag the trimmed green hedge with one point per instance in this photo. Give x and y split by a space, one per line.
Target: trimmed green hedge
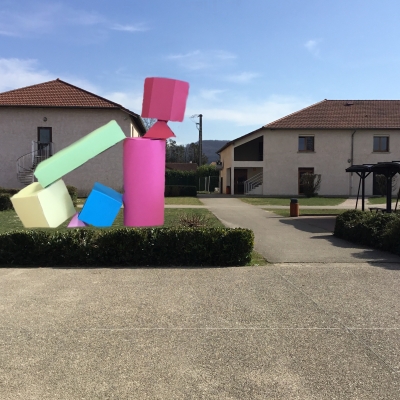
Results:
9 191
5 202
128 246
183 178
180 191
378 230
73 192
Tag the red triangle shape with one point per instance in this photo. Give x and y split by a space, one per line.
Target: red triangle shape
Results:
160 130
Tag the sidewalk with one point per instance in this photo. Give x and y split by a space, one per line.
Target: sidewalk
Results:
302 239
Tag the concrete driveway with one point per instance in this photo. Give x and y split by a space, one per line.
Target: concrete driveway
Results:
285 331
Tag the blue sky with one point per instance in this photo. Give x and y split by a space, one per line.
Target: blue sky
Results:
248 62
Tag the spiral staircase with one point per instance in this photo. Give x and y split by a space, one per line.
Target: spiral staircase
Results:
27 163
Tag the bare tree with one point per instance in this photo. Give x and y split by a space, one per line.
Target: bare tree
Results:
149 122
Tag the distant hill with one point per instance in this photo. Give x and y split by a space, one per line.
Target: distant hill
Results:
210 147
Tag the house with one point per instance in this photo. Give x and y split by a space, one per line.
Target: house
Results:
39 120
325 138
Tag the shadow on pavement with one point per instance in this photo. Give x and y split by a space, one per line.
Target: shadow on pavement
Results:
312 224
326 226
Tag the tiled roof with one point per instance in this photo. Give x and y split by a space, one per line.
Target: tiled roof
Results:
338 114
58 93
343 114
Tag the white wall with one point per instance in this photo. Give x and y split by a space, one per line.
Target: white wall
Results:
18 128
330 159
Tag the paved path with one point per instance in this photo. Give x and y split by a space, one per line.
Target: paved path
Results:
321 323
292 331
303 239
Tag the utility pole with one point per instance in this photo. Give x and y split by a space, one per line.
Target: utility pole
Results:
200 139
199 126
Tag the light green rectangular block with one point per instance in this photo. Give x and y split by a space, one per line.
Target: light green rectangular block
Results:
79 152
39 207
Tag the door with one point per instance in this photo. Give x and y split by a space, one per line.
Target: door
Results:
303 171
240 178
44 142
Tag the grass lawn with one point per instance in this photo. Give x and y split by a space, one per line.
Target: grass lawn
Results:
279 201
309 211
380 200
9 219
189 201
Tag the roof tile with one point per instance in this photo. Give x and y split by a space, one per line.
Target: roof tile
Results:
55 93
343 114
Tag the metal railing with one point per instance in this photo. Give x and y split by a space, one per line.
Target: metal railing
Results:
27 163
253 182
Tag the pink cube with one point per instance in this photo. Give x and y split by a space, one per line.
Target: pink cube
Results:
164 99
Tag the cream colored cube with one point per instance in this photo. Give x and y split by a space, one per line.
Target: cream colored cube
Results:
39 207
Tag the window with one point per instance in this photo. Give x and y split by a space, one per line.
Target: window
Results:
381 143
306 143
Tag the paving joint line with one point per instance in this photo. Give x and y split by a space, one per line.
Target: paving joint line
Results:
346 328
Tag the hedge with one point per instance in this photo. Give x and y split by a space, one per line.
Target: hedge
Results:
128 246
186 178
180 190
73 192
378 230
9 191
5 202
191 178
5 194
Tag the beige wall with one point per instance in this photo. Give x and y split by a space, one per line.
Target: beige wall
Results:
226 158
18 128
330 159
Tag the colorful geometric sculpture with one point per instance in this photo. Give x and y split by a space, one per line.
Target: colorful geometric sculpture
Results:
160 130
101 207
144 182
79 152
39 207
164 99
76 222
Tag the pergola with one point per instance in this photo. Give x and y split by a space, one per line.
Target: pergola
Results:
388 169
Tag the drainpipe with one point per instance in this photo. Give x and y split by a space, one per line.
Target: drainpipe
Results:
351 161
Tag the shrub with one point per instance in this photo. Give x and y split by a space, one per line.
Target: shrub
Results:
183 178
381 183
5 202
311 184
376 230
180 191
73 192
192 221
128 246
9 191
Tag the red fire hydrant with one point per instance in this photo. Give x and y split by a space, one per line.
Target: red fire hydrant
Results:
294 207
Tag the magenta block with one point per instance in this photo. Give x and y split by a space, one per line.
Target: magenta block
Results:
76 223
144 182
164 99
160 130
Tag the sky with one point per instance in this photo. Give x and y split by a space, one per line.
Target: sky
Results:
248 62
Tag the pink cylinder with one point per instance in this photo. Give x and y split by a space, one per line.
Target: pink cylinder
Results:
144 182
